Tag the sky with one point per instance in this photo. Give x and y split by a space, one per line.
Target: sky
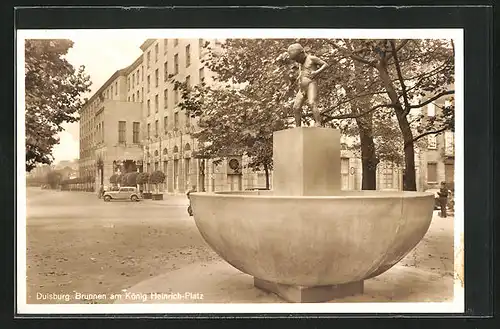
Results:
102 57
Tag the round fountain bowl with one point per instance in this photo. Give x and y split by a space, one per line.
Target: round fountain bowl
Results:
313 240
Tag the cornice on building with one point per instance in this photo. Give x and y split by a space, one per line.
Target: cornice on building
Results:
145 45
134 65
117 74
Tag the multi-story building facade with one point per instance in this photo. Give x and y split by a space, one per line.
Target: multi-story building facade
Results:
438 158
109 130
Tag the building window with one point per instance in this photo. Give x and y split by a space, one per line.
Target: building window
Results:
187 171
149 167
201 74
157 78
121 131
142 73
137 74
176 63
432 172
200 47
133 97
449 143
135 132
431 110
165 45
188 55
176 173
165 71
176 96
387 177
176 42
449 172
156 128
128 98
165 166
149 107
157 51
111 90
156 104
344 172
165 124
116 88
149 84
149 130
148 59
133 79
432 142
188 81
176 120
138 96
156 166
165 98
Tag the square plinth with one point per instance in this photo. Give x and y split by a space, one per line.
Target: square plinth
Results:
306 161
318 294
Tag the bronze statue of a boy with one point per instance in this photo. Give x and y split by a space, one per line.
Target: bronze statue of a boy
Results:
310 66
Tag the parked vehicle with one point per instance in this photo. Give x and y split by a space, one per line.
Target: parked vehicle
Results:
123 193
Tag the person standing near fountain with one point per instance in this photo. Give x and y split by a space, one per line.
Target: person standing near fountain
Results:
310 66
443 199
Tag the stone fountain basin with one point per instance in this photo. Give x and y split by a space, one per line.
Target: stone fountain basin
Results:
313 240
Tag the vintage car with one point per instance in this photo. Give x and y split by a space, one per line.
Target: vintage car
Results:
123 193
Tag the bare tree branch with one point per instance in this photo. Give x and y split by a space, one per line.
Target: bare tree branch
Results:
426 134
432 99
400 75
356 115
398 48
355 57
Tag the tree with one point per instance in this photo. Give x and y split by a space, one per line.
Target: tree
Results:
157 177
409 70
132 178
113 180
142 178
54 179
53 89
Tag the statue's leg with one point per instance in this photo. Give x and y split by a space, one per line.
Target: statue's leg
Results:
312 97
297 108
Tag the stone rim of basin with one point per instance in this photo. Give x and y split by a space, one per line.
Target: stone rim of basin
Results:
369 194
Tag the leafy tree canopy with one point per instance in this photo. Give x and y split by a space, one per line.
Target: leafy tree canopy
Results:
53 96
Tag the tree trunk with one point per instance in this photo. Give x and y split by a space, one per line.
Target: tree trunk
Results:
266 170
410 181
369 159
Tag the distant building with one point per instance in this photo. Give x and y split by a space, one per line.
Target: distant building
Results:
109 128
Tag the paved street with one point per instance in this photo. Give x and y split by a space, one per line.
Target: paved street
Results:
78 243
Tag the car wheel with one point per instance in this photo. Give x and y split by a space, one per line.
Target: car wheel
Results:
107 198
134 198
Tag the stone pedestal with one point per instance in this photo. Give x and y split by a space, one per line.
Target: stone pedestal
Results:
318 294
306 161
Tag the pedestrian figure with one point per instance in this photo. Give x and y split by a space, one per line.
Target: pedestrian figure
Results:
101 191
310 66
443 199
190 210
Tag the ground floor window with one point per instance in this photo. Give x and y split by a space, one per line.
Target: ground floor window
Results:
432 172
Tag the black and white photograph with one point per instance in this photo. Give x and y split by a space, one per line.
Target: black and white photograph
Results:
240 171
